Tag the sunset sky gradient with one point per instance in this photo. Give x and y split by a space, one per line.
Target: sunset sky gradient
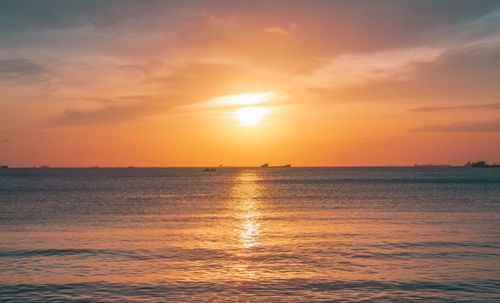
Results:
159 83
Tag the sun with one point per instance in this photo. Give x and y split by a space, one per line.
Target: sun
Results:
250 115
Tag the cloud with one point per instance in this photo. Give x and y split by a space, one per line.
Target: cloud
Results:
238 100
361 50
488 106
196 82
108 114
19 67
194 85
463 127
276 30
355 69
458 75
61 14
345 23
460 62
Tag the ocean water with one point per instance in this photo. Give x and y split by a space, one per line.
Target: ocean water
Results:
250 235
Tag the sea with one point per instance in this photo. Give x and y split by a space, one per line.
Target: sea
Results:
338 234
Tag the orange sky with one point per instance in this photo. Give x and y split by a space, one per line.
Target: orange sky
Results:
119 83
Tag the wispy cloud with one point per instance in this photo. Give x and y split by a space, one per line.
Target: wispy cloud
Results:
20 67
465 76
360 60
488 106
276 30
268 98
347 70
193 85
463 127
108 114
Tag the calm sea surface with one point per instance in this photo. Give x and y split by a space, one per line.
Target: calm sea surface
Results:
250 235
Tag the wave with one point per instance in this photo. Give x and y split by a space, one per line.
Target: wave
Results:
257 291
139 254
383 181
379 251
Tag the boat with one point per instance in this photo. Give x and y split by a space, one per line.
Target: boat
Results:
481 163
431 165
266 165
4 166
210 169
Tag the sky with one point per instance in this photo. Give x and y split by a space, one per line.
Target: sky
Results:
203 83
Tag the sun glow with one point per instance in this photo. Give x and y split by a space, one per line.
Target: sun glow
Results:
250 115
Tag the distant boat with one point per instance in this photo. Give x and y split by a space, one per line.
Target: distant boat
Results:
431 165
481 163
210 169
44 166
266 165
4 166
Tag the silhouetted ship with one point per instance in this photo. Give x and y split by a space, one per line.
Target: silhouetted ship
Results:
481 164
266 165
431 165
210 169
4 166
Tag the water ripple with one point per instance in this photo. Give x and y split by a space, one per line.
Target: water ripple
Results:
274 290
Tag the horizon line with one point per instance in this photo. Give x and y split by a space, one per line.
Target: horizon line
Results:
223 167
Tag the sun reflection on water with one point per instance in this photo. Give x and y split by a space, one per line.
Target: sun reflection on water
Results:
248 209
250 225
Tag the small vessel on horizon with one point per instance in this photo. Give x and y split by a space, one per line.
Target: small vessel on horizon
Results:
209 169
431 165
481 163
4 166
266 165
